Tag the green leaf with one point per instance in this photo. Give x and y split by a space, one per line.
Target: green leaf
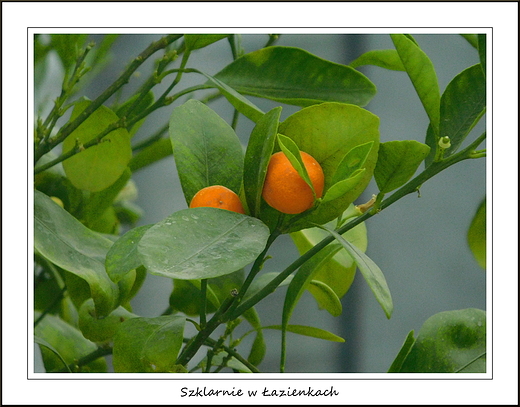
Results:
449 342
202 243
471 38
397 163
328 132
352 162
482 51
258 348
243 105
144 345
309 331
197 41
296 77
258 152
185 296
43 342
292 152
337 273
206 149
371 272
462 105
261 281
422 73
384 58
123 257
99 166
326 297
477 235
68 342
100 202
342 187
68 47
403 353
64 241
101 329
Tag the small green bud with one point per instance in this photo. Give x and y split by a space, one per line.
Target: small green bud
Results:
444 142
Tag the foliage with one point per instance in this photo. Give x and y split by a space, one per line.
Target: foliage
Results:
91 258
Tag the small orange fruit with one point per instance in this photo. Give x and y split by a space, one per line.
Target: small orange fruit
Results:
217 196
285 190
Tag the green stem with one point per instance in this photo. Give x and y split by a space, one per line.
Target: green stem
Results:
85 360
203 293
408 188
64 132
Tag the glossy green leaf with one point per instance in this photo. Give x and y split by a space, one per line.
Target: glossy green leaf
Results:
258 348
64 241
477 235
258 152
471 38
202 243
122 257
326 297
292 152
145 345
100 202
482 51
311 331
343 187
371 272
328 132
43 342
422 73
99 166
397 163
403 353
68 47
197 41
384 58
462 105
353 161
206 149
339 272
68 342
449 342
101 329
239 102
294 76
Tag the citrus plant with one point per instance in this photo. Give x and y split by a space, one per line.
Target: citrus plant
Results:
299 176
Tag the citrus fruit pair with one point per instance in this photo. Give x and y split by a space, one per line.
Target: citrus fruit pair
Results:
284 189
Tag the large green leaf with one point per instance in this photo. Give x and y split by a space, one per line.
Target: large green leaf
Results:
422 74
258 152
477 235
122 256
64 241
97 167
462 105
482 51
370 271
339 271
206 149
202 243
68 341
397 163
403 353
384 58
144 345
449 342
294 76
328 132
68 47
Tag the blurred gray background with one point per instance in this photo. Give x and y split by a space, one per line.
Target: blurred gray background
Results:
419 243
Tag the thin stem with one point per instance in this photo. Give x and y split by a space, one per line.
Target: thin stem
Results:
203 301
64 132
85 360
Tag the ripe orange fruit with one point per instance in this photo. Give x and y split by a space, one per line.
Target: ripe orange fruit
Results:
217 196
285 190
